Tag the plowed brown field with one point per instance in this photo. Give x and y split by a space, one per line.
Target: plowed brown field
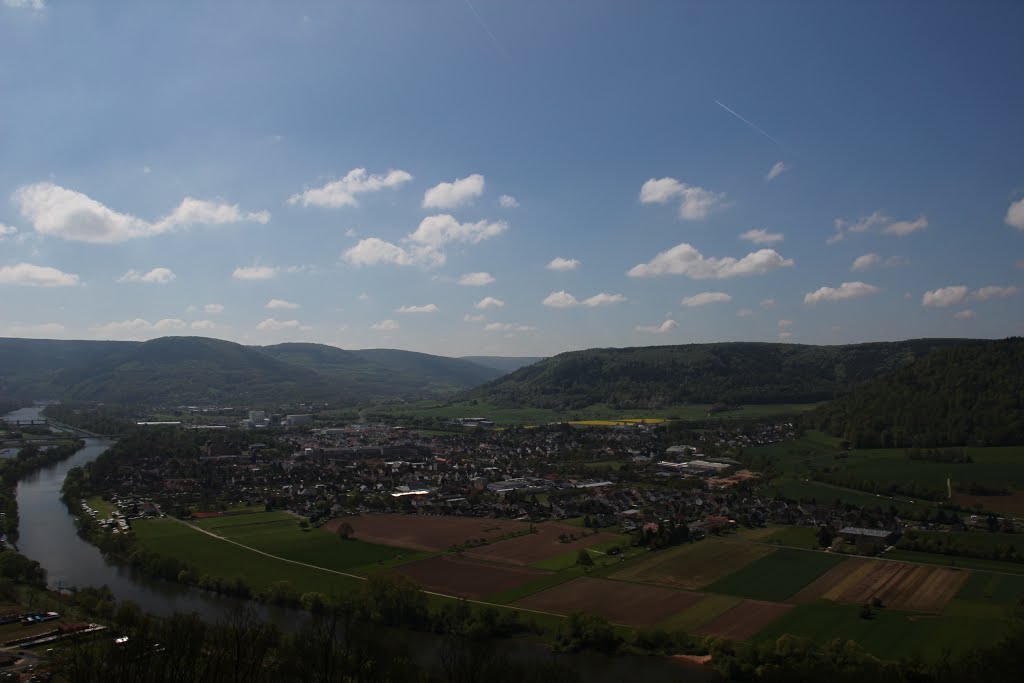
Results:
538 546
617 601
745 620
466 578
914 587
425 532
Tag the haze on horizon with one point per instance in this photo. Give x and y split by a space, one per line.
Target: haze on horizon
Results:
474 177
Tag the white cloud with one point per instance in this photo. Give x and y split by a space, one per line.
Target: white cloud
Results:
470 318
157 276
476 279
371 251
35 5
760 236
139 327
563 299
507 201
562 264
866 261
1015 215
695 202
987 293
255 272
902 228
28 275
384 326
39 330
603 299
684 259
744 313
879 220
274 325
705 298
488 302
560 299
213 308
281 304
767 303
6 230
203 325
436 231
343 192
59 212
847 290
776 170
785 335
945 296
966 314
454 194
427 308
666 326
507 327
785 324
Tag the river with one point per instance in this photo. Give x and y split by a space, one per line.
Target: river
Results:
48 535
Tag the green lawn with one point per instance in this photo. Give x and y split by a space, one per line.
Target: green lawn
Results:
776 576
279 534
217 558
104 507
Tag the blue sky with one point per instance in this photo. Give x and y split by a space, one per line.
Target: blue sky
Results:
513 178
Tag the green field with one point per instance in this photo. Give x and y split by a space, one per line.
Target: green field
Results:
777 576
803 537
279 534
952 561
171 538
888 634
818 456
995 466
693 565
503 415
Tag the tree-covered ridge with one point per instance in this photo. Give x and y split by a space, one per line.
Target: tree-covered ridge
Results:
969 394
198 370
735 372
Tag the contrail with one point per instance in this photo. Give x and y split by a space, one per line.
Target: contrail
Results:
483 25
745 121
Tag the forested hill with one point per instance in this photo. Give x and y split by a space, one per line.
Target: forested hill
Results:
962 395
734 373
199 370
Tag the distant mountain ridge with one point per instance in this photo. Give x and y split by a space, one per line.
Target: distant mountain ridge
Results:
728 372
200 370
504 363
